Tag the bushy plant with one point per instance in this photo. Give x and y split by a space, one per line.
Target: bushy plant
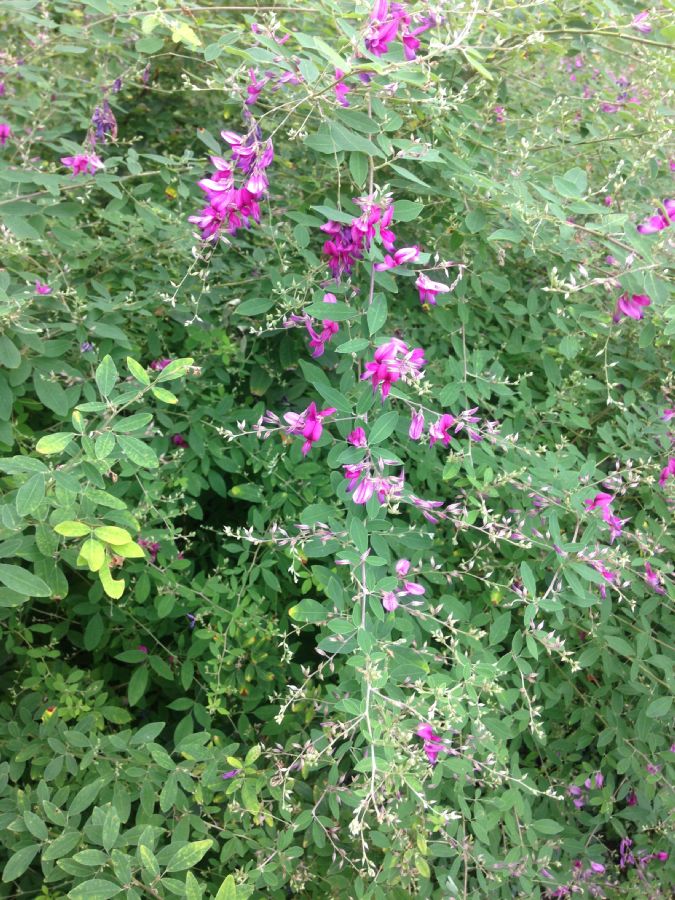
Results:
335 391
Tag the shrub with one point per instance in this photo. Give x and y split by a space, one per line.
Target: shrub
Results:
334 408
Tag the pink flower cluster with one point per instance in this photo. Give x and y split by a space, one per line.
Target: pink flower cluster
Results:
347 243
230 207
394 362
387 22
366 481
83 163
440 429
5 133
667 471
604 502
659 221
580 794
255 85
390 599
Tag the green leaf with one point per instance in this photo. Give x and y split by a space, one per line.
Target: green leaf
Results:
249 797
72 529
528 579
659 708
377 314
333 397
137 685
30 495
547 826
85 797
53 443
338 312
188 856
105 444
620 646
308 611
383 427
169 792
51 394
23 582
113 588
62 846
111 534
358 166
127 424
92 554
95 889
138 371
148 861
35 825
192 888
106 376
111 829
500 628
175 369
228 889
18 862
572 184
164 395
138 452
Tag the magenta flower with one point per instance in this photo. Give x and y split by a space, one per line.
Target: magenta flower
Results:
393 362
232 773
439 430
500 114
631 798
653 579
433 744
667 471
341 89
659 221
668 414
5 133
357 438
602 501
142 648
430 289
151 546
400 257
389 601
41 287
631 307
308 424
158 364
641 22
83 163
402 567
179 441
318 340
608 200
416 425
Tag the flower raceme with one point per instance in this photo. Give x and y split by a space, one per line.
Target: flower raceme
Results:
387 21
603 502
231 207
433 743
394 362
347 243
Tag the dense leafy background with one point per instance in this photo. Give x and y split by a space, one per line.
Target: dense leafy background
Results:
233 639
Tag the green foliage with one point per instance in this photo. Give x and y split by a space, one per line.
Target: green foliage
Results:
204 695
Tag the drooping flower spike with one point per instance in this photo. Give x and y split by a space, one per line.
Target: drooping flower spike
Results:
392 362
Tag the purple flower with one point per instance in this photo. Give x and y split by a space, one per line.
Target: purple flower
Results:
389 601
640 22
631 307
667 471
104 122
82 163
5 133
393 361
416 426
653 579
232 773
402 567
158 364
668 414
143 648
631 798
341 89
308 424
318 340
500 114
429 289
659 221
41 287
608 201
357 438
86 347
400 257
439 431
178 440
433 744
